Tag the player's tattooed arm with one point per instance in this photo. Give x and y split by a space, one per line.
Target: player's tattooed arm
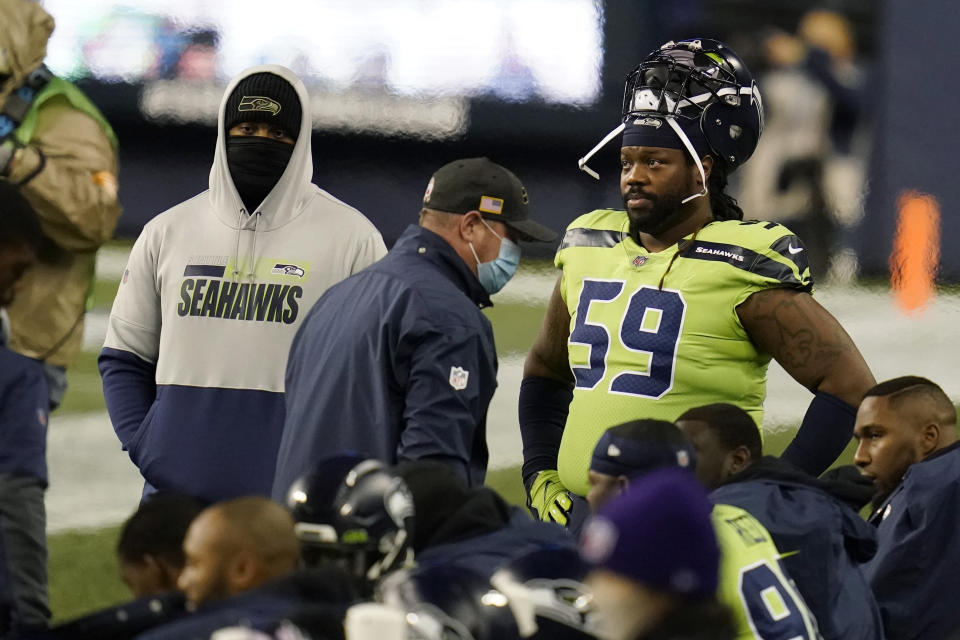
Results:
807 341
548 355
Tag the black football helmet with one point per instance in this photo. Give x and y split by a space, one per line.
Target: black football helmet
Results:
704 81
701 82
448 602
356 513
552 580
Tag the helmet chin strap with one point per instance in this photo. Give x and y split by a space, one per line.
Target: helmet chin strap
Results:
582 162
696 158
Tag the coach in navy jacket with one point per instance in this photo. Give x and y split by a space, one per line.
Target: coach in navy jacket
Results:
398 360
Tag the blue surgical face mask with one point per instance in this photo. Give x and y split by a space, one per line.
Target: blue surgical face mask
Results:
494 275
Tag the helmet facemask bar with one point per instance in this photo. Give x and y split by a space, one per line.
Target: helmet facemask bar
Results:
679 83
672 88
651 89
695 85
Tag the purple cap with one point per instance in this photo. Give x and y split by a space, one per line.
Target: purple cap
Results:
659 533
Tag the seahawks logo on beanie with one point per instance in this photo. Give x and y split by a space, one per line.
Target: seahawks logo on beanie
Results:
264 97
259 103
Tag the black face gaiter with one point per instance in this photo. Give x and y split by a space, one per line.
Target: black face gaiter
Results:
256 165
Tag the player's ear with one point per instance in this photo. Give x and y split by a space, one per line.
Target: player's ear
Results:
623 483
929 438
167 571
707 162
242 570
736 461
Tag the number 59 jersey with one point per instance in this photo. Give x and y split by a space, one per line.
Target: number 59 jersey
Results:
655 334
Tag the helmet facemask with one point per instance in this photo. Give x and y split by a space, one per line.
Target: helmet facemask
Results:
695 84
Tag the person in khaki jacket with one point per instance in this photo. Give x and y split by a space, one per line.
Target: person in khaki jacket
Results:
58 149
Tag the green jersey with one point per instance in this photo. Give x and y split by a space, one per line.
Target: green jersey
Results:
763 599
655 334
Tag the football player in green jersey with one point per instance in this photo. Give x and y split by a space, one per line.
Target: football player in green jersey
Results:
676 302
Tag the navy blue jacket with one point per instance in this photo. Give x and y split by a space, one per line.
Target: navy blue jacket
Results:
823 542
487 552
321 595
397 362
119 622
915 573
24 408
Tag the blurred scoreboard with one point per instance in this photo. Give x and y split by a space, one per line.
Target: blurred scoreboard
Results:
406 66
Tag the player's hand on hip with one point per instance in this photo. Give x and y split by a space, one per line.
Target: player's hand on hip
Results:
548 499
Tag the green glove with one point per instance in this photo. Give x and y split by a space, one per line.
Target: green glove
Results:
549 499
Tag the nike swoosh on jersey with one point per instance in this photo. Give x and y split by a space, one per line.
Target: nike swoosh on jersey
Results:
794 250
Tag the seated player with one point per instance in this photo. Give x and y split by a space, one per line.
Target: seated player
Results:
470 527
352 513
753 584
236 546
242 559
418 511
907 433
823 541
150 548
656 556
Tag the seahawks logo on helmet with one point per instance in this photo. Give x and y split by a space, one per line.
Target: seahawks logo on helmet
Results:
701 82
288 270
656 123
259 103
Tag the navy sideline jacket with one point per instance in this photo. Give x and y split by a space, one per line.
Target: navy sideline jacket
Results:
320 595
397 362
24 410
488 552
822 540
915 574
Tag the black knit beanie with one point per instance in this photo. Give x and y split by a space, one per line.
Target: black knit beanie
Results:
264 97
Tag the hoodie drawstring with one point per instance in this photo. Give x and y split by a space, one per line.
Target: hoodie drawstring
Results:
236 250
252 271
253 251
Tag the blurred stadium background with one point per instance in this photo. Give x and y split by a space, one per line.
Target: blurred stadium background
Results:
856 157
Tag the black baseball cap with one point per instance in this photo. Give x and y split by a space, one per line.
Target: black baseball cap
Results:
478 184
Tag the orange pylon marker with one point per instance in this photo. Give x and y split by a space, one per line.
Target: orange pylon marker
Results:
916 250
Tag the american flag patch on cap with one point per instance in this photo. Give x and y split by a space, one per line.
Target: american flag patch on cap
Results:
491 205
